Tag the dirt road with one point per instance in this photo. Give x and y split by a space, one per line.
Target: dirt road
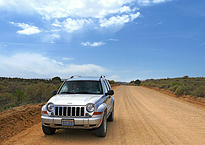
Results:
142 116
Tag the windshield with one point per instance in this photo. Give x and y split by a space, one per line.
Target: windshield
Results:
81 87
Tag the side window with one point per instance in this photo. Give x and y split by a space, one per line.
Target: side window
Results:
105 87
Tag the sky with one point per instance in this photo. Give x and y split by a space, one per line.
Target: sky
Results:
124 40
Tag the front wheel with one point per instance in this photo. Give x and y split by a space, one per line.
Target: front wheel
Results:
48 130
102 130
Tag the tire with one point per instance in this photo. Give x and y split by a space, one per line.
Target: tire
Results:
111 117
102 130
48 130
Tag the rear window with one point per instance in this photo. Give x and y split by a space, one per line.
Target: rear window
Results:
81 87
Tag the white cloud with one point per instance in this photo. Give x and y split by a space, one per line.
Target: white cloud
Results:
144 2
57 23
51 38
113 77
55 36
71 25
68 58
113 39
149 2
74 15
125 9
115 20
31 65
134 16
118 20
94 44
28 29
158 23
66 8
201 44
159 1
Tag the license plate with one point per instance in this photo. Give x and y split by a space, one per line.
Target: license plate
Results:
68 122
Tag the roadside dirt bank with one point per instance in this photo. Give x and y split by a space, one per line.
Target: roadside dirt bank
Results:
20 118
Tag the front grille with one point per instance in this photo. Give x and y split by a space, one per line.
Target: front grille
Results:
65 111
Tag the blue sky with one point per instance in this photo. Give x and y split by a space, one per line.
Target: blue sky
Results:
122 39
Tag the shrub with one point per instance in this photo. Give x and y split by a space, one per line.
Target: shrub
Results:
11 105
173 88
19 96
185 77
7 97
151 84
56 80
162 86
199 92
5 107
1 88
177 83
137 82
180 90
112 82
39 92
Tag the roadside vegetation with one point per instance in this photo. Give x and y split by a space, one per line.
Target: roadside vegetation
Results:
180 86
112 82
135 82
17 91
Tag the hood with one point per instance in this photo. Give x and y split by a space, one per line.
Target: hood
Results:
74 99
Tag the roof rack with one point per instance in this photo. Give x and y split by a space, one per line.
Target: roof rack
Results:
76 76
102 76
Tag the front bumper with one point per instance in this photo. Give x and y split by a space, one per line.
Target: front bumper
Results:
79 123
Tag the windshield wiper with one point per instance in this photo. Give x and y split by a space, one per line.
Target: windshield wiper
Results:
66 93
87 92
83 92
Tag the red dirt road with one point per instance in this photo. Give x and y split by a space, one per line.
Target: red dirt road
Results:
142 116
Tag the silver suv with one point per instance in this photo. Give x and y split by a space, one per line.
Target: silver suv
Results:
80 103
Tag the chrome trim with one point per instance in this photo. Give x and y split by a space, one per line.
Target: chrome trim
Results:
80 123
69 111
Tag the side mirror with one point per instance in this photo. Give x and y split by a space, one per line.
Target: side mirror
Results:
110 92
54 92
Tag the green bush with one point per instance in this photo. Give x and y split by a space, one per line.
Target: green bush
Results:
39 92
112 82
180 90
177 83
11 105
19 96
162 86
199 92
151 84
137 82
173 88
5 107
184 85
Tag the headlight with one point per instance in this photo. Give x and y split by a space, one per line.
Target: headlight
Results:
50 107
90 107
